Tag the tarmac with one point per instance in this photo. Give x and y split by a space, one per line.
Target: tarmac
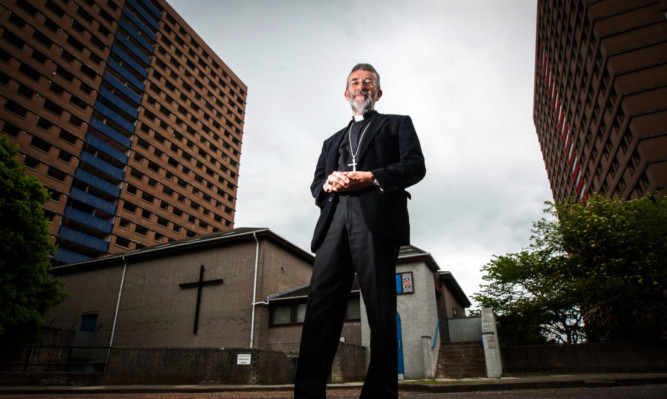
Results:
438 385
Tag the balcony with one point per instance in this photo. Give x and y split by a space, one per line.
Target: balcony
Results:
111 114
127 60
111 133
130 47
65 256
152 19
98 183
88 220
102 166
127 75
120 103
95 202
118 85
151 33
131 30
106 148
83 239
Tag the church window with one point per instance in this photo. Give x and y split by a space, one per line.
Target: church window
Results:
353 312
88 322
281 315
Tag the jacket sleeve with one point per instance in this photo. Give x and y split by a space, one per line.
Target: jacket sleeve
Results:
320 176
410 167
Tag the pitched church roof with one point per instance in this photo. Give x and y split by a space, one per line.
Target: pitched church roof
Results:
407 253
217 239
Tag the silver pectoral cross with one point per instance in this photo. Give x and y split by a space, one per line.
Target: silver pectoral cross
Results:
353 164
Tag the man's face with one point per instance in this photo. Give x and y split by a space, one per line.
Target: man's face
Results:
362 91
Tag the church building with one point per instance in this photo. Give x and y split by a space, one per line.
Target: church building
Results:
243 288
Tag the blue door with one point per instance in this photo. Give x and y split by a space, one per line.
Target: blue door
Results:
399 334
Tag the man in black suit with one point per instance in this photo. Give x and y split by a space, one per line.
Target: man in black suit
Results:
359 184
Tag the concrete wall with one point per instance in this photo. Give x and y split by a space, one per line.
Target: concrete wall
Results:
465 329
592 357
491 344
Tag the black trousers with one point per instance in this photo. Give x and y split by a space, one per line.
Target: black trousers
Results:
349 248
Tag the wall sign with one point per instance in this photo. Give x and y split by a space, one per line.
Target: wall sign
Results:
243 359
404 283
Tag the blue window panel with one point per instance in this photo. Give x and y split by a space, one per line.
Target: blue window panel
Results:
152 8
114 116
101 165
129 29
97 182
140 69
127 75
152 19
84 239
65 256
110 132
88 220
120 103
127 14
118 85
92 200
106 148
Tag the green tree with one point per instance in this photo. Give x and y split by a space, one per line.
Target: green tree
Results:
604 258
617 253
532 302
26 289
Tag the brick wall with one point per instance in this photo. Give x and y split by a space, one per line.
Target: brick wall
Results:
172 366
196 366
349 363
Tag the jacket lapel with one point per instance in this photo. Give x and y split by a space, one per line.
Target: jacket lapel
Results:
373 129
332 156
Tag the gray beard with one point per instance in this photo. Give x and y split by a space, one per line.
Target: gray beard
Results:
364 107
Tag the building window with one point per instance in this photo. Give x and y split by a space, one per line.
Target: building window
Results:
11 129
292 314
288 314
122 242
88 322
353 312
15 108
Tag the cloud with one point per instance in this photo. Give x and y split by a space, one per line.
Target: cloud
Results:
462 70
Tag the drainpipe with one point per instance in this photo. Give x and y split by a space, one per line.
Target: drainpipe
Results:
254 293
115 316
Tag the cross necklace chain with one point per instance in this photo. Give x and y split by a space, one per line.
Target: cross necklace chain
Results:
352 152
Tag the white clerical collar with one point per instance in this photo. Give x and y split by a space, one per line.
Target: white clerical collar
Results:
358 118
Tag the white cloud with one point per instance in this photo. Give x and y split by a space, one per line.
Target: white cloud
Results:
463 70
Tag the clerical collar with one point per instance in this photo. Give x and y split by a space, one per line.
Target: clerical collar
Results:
360 118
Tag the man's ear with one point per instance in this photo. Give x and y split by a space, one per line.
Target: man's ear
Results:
378 95
346 95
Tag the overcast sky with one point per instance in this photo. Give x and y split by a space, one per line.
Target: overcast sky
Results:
463 70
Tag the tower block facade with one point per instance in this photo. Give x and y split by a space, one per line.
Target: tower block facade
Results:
129 119
600 103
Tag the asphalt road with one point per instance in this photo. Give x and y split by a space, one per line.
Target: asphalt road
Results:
625 392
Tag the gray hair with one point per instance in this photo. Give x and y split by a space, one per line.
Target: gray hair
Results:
364 67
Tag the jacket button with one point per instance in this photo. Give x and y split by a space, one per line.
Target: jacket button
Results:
330 199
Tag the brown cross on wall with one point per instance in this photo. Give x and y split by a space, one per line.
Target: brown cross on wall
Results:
199 284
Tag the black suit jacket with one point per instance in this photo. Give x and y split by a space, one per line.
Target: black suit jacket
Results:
391 150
